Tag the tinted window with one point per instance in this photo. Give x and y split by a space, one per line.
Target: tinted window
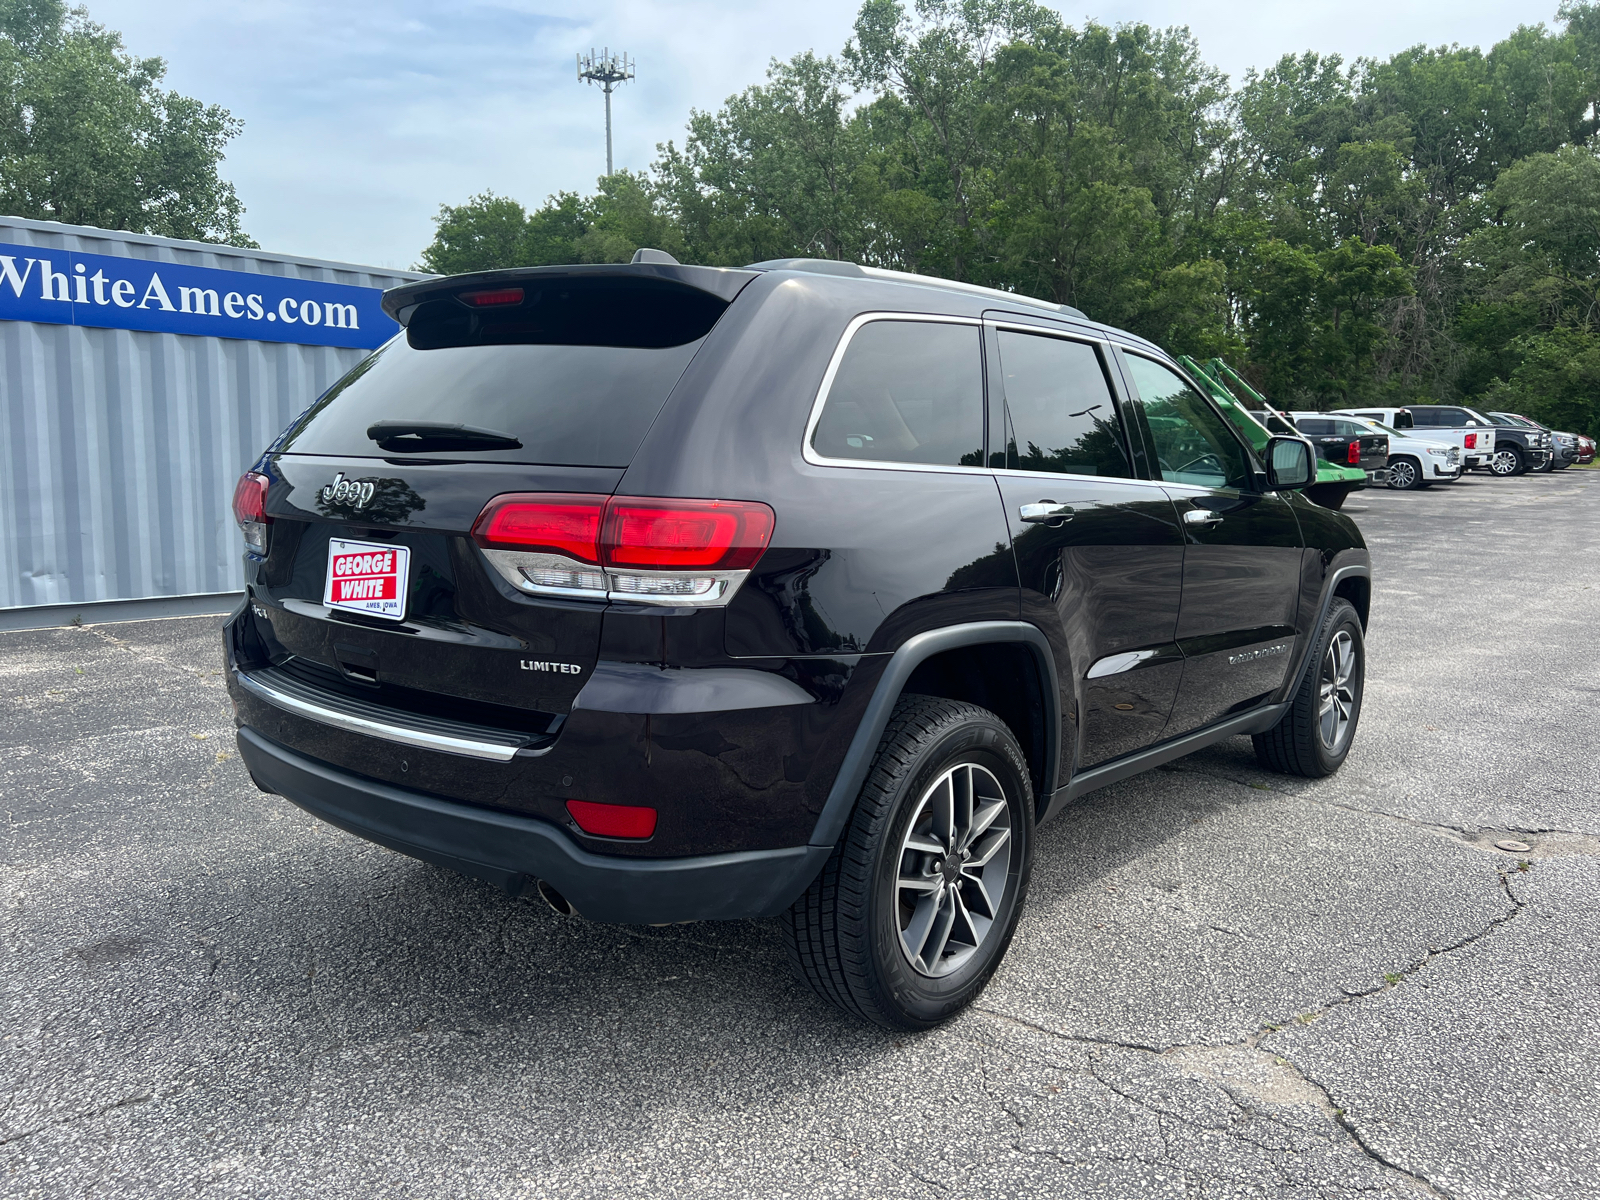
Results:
1347 428
1193 444
568 405
1313 426
1060 416
575 371
906 391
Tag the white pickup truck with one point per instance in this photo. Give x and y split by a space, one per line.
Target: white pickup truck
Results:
1472 433
1414 462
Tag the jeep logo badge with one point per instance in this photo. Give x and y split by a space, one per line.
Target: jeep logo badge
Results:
343 491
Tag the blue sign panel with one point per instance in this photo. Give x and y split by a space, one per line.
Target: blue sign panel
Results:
63 287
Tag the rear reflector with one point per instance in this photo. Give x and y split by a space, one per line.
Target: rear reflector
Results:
493 298
613 820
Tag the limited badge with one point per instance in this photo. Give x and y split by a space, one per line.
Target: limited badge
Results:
367 577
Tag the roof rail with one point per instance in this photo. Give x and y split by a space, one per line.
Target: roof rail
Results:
830 266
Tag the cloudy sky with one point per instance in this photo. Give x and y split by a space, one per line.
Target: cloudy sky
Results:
362 117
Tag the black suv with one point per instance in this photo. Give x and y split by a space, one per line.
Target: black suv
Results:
804 590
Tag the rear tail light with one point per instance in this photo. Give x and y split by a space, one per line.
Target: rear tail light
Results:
666 535
663 551
613 820
1354 456
250 510
1470 441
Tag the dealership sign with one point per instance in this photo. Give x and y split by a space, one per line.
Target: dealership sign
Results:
63 287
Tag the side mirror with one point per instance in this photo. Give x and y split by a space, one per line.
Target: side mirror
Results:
1291 463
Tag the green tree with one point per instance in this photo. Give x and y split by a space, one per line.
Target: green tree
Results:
1556 380
88 135
491 232
486 233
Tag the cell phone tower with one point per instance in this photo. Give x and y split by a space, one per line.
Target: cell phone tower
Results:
608 70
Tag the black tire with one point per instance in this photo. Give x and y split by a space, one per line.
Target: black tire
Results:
1508 461
1405 474
845 933
1545 467
1298 744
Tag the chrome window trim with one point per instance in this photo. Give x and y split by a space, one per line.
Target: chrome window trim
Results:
1010 474
810 455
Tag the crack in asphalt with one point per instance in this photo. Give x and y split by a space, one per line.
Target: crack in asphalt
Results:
1460 832
90 1114
1252 1044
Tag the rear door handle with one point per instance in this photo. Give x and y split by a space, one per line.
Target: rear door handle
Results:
1202 516
1047 512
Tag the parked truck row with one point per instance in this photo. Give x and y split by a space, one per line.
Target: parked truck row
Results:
1405 448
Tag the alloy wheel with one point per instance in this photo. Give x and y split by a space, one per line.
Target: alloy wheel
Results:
1504 462
953 870
1337 697
1402 475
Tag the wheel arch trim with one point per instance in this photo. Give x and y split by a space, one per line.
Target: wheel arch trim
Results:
911 654
1330 589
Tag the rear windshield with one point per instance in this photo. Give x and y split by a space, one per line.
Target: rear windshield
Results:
572 376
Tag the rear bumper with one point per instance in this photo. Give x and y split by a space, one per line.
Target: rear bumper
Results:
511 851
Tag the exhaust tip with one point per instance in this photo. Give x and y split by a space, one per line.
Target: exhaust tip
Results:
555 899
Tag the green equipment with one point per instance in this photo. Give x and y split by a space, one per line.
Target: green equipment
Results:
1334 482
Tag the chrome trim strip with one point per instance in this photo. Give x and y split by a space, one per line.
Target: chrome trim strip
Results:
1115 664
423 740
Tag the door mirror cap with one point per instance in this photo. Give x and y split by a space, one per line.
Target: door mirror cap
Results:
1291 463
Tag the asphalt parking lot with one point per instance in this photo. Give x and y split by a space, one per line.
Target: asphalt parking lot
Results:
1228 983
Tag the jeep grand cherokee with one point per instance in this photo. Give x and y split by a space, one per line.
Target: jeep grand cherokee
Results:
807 590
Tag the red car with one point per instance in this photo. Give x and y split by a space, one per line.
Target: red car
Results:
1585 449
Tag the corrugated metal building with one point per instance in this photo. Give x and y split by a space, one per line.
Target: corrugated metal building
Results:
121 438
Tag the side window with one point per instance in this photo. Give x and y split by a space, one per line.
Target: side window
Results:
1060 416
1347 428
1314 426
1425 417
906 391
1193 444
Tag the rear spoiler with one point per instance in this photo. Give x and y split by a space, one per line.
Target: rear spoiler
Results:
722 282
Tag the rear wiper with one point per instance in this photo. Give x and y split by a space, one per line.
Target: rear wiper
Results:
434 436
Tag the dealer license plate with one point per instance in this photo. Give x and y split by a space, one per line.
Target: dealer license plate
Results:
368 578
